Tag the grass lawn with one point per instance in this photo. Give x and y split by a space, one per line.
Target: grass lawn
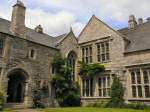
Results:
84 109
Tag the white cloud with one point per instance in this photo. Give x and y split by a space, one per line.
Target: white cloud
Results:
56 16
118 9
77 28
53 24
5 12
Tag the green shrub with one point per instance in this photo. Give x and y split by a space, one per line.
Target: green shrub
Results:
117 94
136 105
2 99
101 104
37 96
67 92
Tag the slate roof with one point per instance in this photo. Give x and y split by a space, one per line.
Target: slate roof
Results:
32 35
139 37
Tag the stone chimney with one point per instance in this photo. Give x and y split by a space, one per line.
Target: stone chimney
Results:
132 22
39 29
148 19
140 21
18 20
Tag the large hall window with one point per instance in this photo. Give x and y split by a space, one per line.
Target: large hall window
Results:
87 87
103 52
140 83
87 54
104 83
71 62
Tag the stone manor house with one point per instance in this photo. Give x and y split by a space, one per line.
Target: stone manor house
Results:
26 56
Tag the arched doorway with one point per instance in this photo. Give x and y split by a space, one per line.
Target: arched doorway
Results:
16 86
71 61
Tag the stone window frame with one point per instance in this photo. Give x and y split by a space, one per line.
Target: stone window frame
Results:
103 51
138 87
87 53
87 87
34 53
71 62
104 86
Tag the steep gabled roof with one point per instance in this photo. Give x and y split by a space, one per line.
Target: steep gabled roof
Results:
63 37
139 37
31 35
96 29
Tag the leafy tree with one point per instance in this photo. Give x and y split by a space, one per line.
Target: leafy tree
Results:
2 99
67 91
88 70
117 94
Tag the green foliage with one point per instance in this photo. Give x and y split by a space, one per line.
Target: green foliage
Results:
136 105
101 104
67 91
2 99
117 94
88 70
37 99
58 62
91 109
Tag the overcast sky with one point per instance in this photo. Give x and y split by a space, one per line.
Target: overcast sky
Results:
57 16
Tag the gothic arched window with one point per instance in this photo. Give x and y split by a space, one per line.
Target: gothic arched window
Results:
71 61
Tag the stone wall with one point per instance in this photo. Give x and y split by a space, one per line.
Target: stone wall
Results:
95 32
37 68
67 45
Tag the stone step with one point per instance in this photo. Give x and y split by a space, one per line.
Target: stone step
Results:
15 105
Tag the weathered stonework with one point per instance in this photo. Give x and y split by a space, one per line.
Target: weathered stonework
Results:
27 56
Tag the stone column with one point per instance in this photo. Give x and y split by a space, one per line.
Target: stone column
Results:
128 86
136 85
28 96
142 82
94 55
81 87
96 87
106 86
3 80
6 51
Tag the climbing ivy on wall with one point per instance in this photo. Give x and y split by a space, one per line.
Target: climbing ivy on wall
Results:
89 70
67 92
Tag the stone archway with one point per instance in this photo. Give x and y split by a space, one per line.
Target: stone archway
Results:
71 61
16 86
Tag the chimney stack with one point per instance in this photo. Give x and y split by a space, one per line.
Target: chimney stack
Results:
39 29
132 22
140 21
148 19
18 20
